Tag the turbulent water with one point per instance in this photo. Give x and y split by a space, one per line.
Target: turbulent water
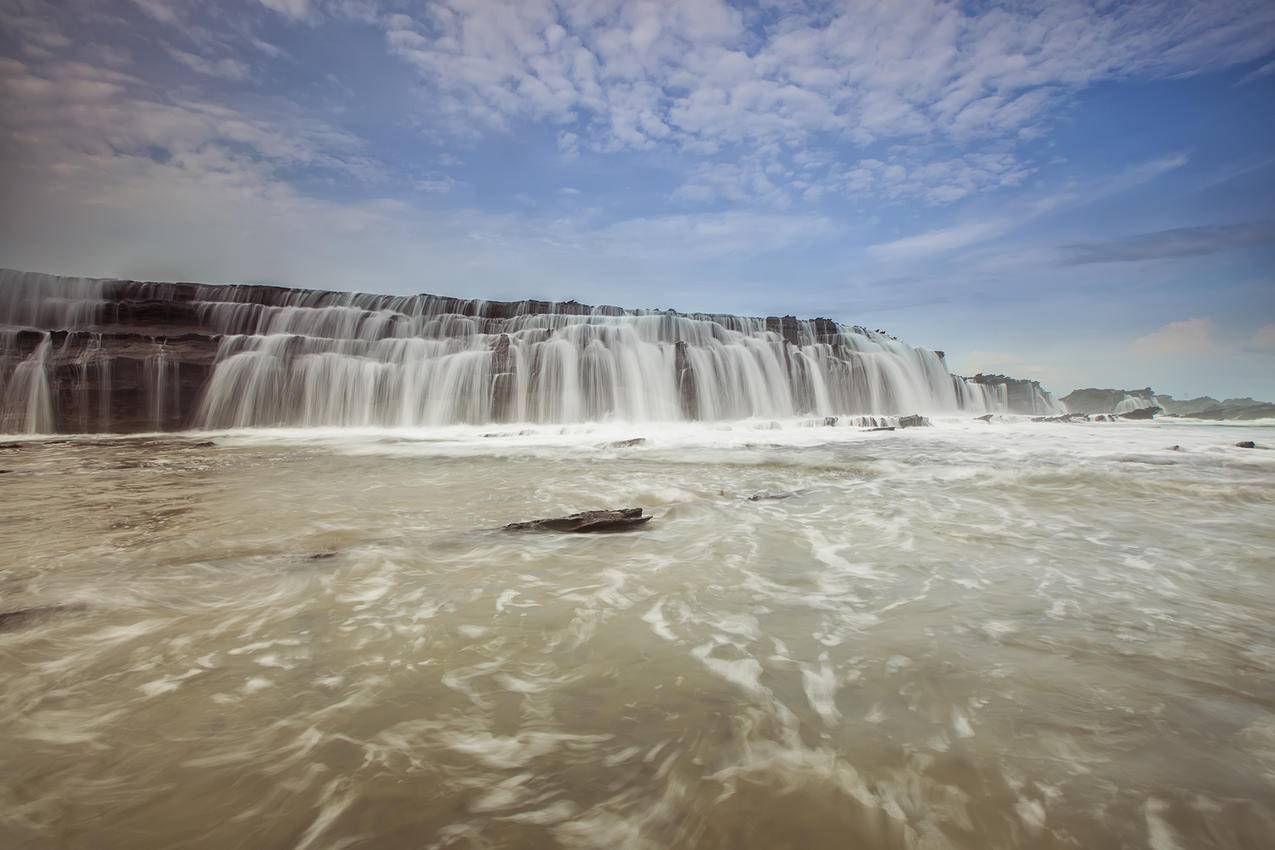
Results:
968 636
266 356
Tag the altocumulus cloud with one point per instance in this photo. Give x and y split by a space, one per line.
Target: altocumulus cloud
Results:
778 79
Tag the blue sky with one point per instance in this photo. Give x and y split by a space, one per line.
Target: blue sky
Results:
1080 192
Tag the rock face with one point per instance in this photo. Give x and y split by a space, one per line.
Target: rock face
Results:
21 617
1131 404
587 522
625 444
914 421
1021 395
1110 401
1066 417
1185 407
121 356
1210 408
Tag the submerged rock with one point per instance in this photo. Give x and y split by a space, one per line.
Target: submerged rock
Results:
1141 413
1246 444
624 519
882 428
1066 417
320 556
626 444
986 417
767 496
913 421
20 617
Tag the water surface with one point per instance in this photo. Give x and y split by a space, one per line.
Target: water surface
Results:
968 636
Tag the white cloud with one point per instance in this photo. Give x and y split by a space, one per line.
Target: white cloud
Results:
696 237
1189 336
65 108
939 241
297 9
1265 337
1265 70
704 77
436 184
164 11
225 67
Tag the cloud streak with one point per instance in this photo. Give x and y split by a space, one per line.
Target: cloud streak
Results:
940 241
1177 243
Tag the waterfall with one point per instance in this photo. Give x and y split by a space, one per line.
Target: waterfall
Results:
253 356
27 406
159 377
1133 402
328 368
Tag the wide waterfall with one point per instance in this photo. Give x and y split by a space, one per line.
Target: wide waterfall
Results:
102 355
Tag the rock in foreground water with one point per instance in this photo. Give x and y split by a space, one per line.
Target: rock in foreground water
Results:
624 519
1246 444
20 617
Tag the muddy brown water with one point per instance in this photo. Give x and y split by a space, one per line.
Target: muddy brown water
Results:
1024 636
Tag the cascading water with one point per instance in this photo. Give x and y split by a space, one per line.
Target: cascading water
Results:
159 377
264 356
27 399
1131 403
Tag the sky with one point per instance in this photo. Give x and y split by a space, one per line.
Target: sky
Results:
1077 192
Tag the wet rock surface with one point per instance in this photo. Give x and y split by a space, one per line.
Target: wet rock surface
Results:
586 522
1024 396
1094 400
1246 444
914 421
1066 417
22 617
767 496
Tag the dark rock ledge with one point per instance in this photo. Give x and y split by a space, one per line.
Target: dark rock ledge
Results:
586 522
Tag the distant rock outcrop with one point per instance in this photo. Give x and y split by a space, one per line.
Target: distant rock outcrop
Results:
1210 408
1094 400
1021 395
1186 407
1145 404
